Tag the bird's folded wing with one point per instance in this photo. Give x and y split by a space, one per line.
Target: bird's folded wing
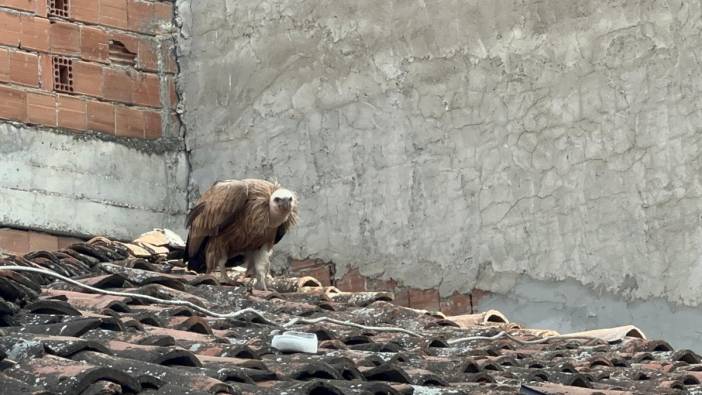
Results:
218 207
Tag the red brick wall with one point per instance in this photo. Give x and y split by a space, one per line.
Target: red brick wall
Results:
354 281
99 65
20 242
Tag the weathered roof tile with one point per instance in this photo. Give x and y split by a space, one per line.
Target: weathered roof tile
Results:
58 336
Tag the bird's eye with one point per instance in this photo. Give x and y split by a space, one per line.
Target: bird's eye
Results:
276 199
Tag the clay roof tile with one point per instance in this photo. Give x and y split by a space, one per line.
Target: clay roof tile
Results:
55 332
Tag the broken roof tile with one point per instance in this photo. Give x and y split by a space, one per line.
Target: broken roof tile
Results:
162 238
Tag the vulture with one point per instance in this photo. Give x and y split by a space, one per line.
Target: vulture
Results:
235 218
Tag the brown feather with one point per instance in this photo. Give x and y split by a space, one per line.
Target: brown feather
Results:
235 218
194 212
223 200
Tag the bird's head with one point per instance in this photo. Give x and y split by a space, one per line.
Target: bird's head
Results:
282 201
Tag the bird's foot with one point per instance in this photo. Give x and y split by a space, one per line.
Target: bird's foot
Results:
260 284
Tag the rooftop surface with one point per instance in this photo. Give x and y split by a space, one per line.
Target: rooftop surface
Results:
61 338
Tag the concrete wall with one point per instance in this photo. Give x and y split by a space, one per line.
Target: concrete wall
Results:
85 185
570 306
465 144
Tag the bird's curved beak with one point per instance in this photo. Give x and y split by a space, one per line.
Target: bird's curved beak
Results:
286 203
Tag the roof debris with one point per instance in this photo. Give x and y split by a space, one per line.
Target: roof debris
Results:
64 336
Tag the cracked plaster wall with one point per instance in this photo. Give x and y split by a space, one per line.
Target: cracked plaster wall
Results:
79 184
463 144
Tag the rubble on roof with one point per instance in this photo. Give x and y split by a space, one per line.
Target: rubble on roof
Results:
60 338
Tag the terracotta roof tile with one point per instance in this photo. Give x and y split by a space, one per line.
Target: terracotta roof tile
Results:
58 337
12 385
62 375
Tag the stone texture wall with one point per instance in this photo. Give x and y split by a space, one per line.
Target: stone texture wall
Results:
463 144
500 145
